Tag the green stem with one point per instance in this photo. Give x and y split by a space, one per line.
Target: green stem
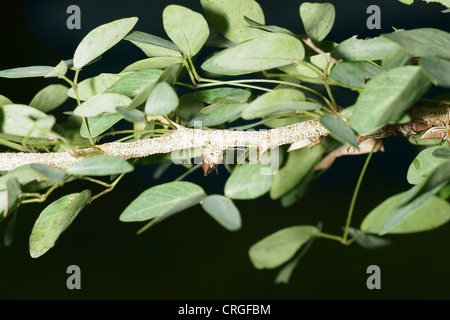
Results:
189 70
109 189
232 83
329 236
39 197
355 195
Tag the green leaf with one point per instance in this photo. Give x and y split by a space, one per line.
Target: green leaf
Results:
258 25
94 86
58 71
163 199
223 95
276 102
357 49
52 174
100 104
101 39
152 63
132 84
423 165
132 115
297 193
188 108
227 112
354 73
54 220
318 19
101 165
187 29
270 50
18 119
443 153
386 97
162 100
445 192
396 58
248 182
99 124
279 247
368 241
339 129
49 98
223 210
26 72
437 69
9 194
4 100
296 168
228 18
423 42
153 46
433 213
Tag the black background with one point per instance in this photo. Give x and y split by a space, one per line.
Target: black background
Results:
190 256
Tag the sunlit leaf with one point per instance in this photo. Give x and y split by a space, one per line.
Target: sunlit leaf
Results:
4 100
54 220
152 63
18 119
386 97
153 46
9 194
59 71
163 199
187 29
318 19
93 86
228 18
270 50
100 104
227 112
52 174
101 165
223 210
26 72
249 181
279 247
101 39
258 25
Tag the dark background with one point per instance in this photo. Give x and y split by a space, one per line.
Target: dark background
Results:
190 256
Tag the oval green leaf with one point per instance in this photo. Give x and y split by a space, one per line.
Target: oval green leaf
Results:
276 102
152 63
54 220
359 49
18 119
102 103
423 165
101 165
223 95
279 247
270 50
248 182
386 97
99 124
437 69
162 100
132 84
153 46
187 29
228 18
354 73
431 214
94 86
49 98
26 72
101 39
318 19
339 129
296 168
227 112
223 210
52 174
163 199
